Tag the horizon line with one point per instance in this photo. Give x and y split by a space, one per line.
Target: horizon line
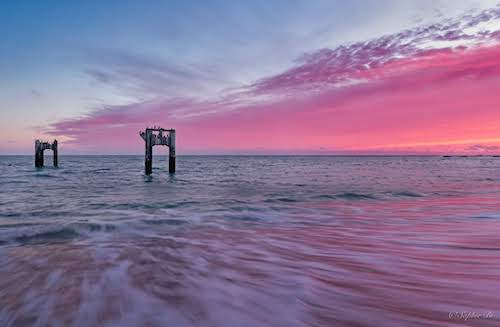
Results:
273 155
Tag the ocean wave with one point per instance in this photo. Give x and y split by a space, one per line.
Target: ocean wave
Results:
167 205
355 196
323 197
175 222
11 214
245 218
63 234
281 199
18 225
28 233
43 175
487 216
407 194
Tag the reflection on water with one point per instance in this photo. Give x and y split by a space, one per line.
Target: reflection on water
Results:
251 241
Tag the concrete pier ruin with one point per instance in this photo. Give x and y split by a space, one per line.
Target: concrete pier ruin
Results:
158 136
42 146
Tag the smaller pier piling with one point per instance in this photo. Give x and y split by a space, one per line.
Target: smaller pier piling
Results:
42 146
155 136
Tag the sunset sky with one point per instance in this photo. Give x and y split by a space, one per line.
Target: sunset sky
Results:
252 77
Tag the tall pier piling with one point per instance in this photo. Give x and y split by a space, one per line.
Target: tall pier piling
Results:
158 136
42 146
171 152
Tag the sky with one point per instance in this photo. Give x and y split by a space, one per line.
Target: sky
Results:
252 77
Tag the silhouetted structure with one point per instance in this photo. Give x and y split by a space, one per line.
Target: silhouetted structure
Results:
154 136
42 146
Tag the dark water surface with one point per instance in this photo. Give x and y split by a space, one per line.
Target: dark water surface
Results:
250 241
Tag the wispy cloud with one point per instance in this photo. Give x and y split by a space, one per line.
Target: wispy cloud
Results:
380 57
145 77
35 94
482 147
410 89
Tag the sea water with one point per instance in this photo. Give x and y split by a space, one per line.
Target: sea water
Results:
250 241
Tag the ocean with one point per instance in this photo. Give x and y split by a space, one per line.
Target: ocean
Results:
250 241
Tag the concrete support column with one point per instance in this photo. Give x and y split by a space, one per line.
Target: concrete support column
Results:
171 152
38 154
148 164
54 149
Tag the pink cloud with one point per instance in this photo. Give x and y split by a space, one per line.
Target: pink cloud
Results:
397 93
